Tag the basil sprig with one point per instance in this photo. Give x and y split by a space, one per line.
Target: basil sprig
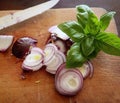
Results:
89 36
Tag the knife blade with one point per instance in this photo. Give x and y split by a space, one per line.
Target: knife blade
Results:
17 17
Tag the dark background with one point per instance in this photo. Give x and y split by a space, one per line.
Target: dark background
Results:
109 5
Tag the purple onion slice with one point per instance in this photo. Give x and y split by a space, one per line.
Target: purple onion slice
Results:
68 81
33 62
86 69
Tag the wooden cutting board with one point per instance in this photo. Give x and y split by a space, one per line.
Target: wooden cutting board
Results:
38 87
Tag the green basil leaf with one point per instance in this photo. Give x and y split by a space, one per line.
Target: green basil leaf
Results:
87 18
83 8
105 20
82 14
109 43
93 24
87 46
75 57
73 30
82 18
95 52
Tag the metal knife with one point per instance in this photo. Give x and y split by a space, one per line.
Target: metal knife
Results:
17 17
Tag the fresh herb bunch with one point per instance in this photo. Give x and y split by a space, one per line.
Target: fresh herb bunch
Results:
89 36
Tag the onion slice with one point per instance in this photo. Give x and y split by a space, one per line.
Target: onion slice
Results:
37 50
86 69
53 58
58 32
91 69
62 45
54 63
33 62
5 42
68 81
49 51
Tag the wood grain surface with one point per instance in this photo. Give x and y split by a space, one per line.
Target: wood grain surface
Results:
38 87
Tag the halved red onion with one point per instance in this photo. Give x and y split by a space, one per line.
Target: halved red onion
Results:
86 69
58 32
33 62
5 42
22 46
68 81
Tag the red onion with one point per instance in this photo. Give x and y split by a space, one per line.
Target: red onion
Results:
37 50
49 51
22 46
62 45
5 42
61 55
86 69
53 58
31 68
91 69
54 63
33 62
68 81
58 32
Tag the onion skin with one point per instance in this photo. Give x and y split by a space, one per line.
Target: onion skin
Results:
22 46
61 73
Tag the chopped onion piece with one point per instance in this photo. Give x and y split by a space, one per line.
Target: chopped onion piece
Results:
33 62
49 51
91 69
37 50
31 68
53 58
86 69
50 71
51 45
61 45
5 42
62 55
58 32
54 63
